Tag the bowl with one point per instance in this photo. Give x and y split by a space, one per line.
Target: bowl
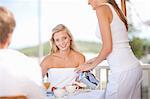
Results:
71 88
59 93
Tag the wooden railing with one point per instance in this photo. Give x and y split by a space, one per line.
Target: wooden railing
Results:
99 68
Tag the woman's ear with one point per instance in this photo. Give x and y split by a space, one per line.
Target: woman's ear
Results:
9 39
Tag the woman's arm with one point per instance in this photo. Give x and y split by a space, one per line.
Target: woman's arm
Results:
81 59
44 68
45 64
104 19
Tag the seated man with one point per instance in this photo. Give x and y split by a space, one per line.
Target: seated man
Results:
19 75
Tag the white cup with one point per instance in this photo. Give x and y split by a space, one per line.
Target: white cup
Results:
59 93
70 89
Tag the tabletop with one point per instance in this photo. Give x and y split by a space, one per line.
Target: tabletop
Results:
82 94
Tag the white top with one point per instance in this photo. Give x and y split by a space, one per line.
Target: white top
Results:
121 58
61 77
19 75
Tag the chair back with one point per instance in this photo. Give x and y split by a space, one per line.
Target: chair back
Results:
13 97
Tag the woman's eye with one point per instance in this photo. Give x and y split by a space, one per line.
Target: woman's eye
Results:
57 40
64 38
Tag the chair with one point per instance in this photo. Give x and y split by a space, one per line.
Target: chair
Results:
13 97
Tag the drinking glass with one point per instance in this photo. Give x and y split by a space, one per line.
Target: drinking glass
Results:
46 85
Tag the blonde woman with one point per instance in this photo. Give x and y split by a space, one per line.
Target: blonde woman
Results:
63 54
125 77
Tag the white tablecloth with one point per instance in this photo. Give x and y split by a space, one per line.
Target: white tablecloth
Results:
93 94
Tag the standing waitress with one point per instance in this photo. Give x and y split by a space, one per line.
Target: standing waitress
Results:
125 77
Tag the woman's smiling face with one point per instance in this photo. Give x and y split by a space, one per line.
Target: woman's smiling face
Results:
62 40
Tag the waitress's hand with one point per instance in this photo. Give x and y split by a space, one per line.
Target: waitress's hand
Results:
90 61
84 67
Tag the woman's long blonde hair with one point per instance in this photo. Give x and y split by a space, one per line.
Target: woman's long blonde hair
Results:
121 15
56 29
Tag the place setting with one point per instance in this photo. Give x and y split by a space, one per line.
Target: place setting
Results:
84 83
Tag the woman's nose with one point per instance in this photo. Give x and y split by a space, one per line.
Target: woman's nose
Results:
62 42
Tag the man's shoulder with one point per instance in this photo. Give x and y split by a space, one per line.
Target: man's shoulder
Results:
12 56
11 52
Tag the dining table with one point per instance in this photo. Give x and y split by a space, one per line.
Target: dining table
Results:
81 94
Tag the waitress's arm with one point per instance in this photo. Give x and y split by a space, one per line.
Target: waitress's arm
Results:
104 17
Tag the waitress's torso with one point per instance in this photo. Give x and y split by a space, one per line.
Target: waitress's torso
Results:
121 58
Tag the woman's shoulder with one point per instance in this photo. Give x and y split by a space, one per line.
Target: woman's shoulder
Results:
79 56
104 11
105 7
47 59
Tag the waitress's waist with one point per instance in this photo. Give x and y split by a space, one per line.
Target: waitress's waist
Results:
120 68
121 45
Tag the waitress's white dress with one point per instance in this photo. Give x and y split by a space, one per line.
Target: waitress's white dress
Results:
124 81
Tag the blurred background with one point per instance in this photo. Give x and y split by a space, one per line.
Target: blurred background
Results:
36 18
